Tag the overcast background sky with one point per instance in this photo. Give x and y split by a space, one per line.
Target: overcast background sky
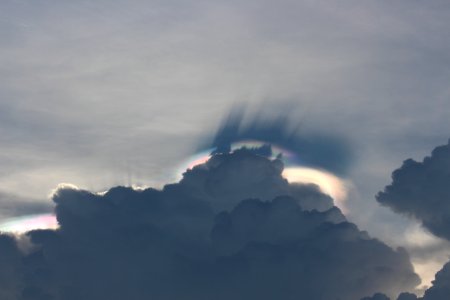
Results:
100 93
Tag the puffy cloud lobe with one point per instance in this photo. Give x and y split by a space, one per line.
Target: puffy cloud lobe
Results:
441 285
407 296
377 296
10 269
225 180
402 296
422 190
186 242
304 254
440 290
277 222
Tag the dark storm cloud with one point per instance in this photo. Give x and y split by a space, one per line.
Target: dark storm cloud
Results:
422 190
10 269
441 285
440 290
226 180
402 296
376 296
185 242
319 150
407 296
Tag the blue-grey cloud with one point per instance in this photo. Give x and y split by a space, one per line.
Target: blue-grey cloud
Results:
11 272
441 285
440 289
377 296
177 243
422 190
118 79
407 296
80 78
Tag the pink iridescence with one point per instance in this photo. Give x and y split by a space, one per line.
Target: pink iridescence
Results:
30 222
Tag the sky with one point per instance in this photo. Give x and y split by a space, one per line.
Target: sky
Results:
106 93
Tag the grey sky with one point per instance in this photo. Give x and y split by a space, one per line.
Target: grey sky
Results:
106 92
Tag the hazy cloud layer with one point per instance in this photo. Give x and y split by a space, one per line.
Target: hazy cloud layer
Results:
115 77
12 206
179 243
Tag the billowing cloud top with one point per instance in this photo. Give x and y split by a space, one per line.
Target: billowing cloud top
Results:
422 190
441 285
232 228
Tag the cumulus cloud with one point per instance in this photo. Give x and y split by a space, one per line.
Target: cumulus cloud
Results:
402 296
441 285
226 180
187 242
440 290
377 296
407 296
10 269
422 190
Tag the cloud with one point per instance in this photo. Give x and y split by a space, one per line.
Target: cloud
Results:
186 242
422 190
407 296
10 269
376 296
440 290
66 84
402 296
441 285
225 180
87 85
